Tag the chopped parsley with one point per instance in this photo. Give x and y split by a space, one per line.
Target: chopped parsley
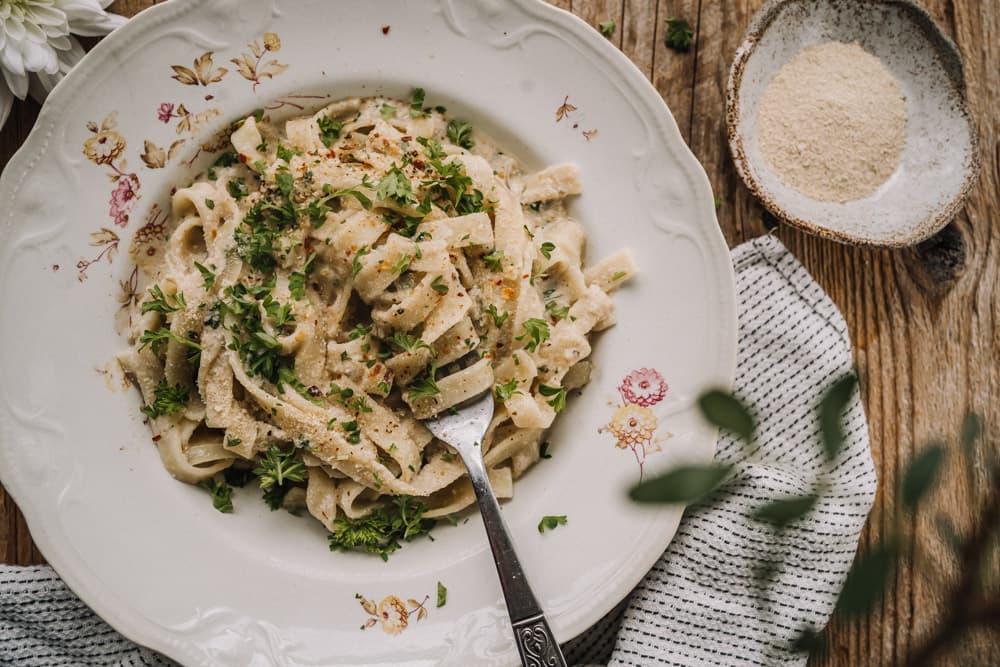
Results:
396 187
558 395
493 260
297 279
536 331
359 331
679 34
161 302
329 130
425 387
317 209
417 103
551 522
356 262
618 275
442 595
222 495
431 148
286 154
167 400
276 470
352 431
506 390
388 112
460 134
607 27
402 264
208 278
210 203
157 338
546 249
381 531
498 318
404 342
438 285
237 187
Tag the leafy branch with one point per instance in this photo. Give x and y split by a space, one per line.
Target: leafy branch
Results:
971 602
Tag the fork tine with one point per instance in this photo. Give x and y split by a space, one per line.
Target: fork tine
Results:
466 426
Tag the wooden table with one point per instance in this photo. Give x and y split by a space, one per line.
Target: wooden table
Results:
925 321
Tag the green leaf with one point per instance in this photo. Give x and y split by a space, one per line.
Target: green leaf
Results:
685 484
607 27
442 593
972 427
921 474
831 413
866 582
726 412
679 35
809 640
551 522
786 510
460 133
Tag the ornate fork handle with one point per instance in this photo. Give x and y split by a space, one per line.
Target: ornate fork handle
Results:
535 642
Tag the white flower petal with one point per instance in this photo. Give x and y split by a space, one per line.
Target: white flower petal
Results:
39 57
6 102
60 43
86 17
42 15
14 30
16 78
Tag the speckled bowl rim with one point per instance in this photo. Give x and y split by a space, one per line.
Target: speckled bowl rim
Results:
951 61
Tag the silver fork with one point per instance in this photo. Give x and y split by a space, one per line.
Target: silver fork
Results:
464 430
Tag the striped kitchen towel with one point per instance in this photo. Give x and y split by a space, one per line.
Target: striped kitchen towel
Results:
702 603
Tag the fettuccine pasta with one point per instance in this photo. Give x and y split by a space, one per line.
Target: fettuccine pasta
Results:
339 277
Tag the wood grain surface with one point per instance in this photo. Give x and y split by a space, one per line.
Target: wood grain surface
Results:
924 321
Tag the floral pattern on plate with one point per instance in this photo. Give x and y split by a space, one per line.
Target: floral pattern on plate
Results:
392 613
633 423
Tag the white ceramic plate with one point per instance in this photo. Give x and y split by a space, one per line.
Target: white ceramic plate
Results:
149 553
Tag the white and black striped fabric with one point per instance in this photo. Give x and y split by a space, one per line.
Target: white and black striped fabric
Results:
704 602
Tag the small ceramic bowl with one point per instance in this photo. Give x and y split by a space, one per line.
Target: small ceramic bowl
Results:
940 161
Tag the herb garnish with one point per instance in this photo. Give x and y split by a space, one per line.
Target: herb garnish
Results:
388 112
425 387
160 302
460 134
380 531
493 260
551 522
558 395
275 470
417 103
396 186
546 249
506 390
536 331
607 27
157 338
498 318
404 342
167 400
222 495
438 285
237 187
208 278
329 130
356 262
679 34
442 595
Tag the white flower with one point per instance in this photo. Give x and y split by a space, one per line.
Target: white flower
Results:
36 47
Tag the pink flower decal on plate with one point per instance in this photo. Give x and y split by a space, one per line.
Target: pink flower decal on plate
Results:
123 198
165 112
633 423
643 387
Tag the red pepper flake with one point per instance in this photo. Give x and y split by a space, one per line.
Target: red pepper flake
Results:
386 29
243 158
209 98
407 138
156 438
55 267
418 164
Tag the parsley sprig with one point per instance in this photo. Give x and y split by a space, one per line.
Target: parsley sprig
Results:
276 470
167 400
160 302
536 331
381 531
